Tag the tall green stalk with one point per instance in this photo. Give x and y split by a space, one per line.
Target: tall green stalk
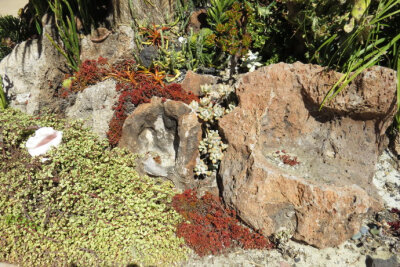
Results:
41 7
3 100
83 8
366 46
67 31
397 117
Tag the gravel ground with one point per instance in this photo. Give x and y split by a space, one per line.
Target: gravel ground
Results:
347 254
387 179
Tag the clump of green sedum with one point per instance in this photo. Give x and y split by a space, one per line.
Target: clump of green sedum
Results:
85 206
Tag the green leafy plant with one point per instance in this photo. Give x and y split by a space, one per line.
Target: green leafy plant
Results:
170 58
167 56
185 52
313 22
231 29
68 33
40 8
89 12
84 205
372 42
198 50
3 100
13 30
229 22
216 13
84 8
183 8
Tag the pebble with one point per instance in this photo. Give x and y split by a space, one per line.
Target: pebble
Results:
357 236
375 231
364 230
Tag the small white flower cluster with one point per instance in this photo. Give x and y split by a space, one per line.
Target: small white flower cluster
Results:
210 109
211 147
182 40
251 61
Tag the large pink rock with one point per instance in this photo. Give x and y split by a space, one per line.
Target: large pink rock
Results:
193 82
289 165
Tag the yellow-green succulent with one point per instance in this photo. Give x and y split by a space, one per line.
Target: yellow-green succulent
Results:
85 205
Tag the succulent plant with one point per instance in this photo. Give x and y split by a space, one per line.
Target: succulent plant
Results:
215 104
251 61
84 206
212 147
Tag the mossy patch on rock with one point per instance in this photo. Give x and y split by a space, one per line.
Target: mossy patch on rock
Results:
86 205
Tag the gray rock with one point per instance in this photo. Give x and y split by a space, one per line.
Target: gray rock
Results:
118 45
356 236
147 55
387 180
364 230
151 167
144 12
168 135
31 73
94 106
391 262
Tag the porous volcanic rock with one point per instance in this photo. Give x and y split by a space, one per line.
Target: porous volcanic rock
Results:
94 106
168 135
31 72
289 165
197 20
193 81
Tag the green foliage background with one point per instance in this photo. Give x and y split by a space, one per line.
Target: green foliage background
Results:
12 31
86 205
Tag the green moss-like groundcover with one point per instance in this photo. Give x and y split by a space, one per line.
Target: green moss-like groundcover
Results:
85 206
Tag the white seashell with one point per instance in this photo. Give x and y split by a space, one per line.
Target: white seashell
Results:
43 140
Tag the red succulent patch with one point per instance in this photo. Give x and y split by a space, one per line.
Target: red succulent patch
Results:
210 227
154 33
287 159
137 88
90 72
395 225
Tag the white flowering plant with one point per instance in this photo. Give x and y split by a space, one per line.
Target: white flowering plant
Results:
251 61
217 101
